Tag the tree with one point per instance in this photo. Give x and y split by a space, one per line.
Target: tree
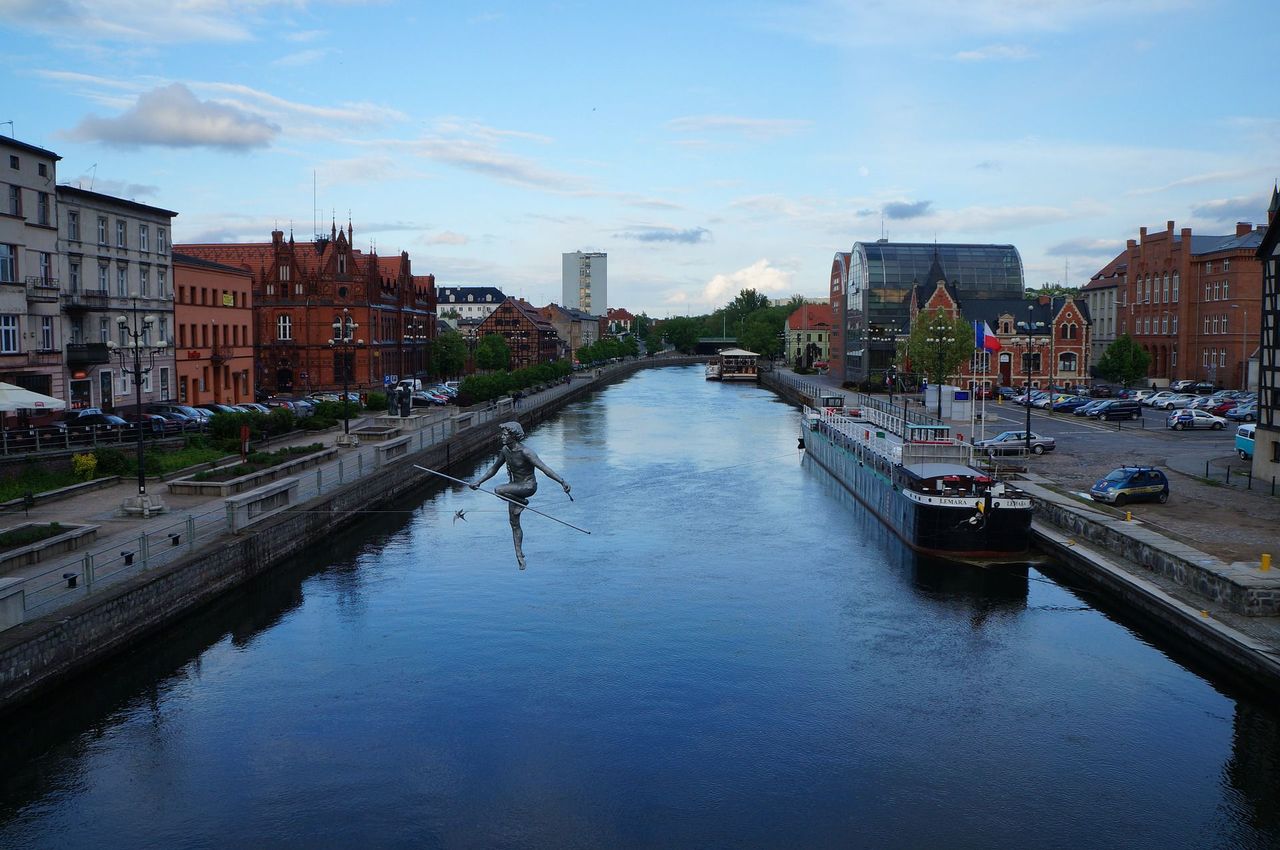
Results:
1124 361
449 354
760 333
937 345
682 332
492 352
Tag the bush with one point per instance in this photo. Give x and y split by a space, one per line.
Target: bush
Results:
85 466
112 462
376 401
281 420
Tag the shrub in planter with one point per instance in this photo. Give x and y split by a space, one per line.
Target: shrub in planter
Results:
112 462
85 466
281 420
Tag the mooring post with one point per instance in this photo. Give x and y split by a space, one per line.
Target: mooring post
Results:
142 548
191 533
339 472
88 572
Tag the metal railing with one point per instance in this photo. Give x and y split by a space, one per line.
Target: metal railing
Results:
164 540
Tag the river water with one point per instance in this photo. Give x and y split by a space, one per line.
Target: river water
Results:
736 656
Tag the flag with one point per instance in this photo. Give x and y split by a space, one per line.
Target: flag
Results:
984 337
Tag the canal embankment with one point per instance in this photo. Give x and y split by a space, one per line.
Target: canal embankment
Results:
96 620
1226 613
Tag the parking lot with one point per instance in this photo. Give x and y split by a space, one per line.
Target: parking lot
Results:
1228 521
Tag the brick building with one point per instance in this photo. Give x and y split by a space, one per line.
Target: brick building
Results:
839 285
575 328
1193 302
213 331
1266 453
1044 341
299 291
530 337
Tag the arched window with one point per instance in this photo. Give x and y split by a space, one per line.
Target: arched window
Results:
1067 362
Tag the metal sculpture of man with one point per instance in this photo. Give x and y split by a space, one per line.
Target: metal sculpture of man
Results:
521 463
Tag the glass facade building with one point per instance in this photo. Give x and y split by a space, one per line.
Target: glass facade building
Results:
881 275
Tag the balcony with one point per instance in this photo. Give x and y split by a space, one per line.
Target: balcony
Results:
87 354
85 299
44 357
219 355
43 289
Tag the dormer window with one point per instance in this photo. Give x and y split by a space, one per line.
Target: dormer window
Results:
342 264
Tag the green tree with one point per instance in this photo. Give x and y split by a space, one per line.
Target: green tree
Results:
760 333
449 354
492 352
682 332
1124 361
937 345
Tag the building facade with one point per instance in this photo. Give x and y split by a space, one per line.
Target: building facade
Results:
118 263
468 302
574 327
881 275
1102 297
584 279
836 299
808 335
1193 302
213 321
31 326
619 321
1266 450
530 337
300 289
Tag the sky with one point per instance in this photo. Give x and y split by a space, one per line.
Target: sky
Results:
706 146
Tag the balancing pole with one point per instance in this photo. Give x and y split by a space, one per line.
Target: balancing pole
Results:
502 497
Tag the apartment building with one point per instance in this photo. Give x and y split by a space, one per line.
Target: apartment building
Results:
213 318
584 280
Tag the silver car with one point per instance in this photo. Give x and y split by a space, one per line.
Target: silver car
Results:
1012 442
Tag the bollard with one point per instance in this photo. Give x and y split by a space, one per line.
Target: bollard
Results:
128 558
191 533
71 578
1128 516
1265 566
174 538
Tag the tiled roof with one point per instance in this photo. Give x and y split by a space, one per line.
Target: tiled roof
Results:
458 295
811 316
188 260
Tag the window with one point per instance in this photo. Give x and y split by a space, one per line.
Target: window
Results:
8 263
102 277
284 272
73 226
162 282
1164 324
1226 265
1222 357
1204 359
42 208
46 333
144 239
144 281
46 267
1206 325
1224 322
42 169
122 233
104 330
1175 324
77 331
1214 324
15 201
122 281
102 230
1206 292
73 276
1208 267
13 161
1226 284
1165 296
1175 287
8 334
1173 356
1067 362
182 336
164 383
162 244
284 327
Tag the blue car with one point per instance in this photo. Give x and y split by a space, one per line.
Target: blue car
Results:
1131 484
1070 403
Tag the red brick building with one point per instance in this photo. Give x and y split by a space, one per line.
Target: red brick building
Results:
530 337
1044 340
1193 303
213 331
839 285
300 289
619 321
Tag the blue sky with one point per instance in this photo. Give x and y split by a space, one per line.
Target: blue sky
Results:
705 146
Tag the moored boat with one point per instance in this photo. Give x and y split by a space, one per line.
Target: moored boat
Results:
737 364
713 369
919 480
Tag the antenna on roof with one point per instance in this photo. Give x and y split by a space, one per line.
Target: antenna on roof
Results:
10 123
93 175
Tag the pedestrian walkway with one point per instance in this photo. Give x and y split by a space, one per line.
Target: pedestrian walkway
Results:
126 546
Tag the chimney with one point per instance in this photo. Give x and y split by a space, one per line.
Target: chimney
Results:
277 236
1186 236
1044 299
1168 228
1243 228
1131 244
1142 233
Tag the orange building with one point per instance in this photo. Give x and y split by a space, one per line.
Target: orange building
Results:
213 331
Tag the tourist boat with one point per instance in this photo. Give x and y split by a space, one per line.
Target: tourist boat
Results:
907 468
738 365
713 369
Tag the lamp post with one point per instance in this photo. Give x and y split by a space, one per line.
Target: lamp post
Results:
941 339
1027 435
344 342
135 331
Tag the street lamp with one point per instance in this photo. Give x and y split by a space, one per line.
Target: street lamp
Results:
344 342
135 331
941 339
1027 435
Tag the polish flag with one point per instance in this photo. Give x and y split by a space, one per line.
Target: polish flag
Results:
985 337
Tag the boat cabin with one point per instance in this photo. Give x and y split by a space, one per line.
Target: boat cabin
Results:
736 364
946 479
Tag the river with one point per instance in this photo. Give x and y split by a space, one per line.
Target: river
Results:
736 656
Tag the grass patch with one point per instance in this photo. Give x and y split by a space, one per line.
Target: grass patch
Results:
257 462
162 463
30 534
36 480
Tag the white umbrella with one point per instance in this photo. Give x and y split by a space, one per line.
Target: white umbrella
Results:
16 398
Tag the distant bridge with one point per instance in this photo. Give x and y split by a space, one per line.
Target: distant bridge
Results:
712 344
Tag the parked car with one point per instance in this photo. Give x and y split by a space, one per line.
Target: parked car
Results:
101 422
1202 388
1183 386
201 416
1101 391
1219 406
184 422
1131 484
1244 441
1139 396
1006 392
152 423
1091 407
1155 399
1010 442
1189 418
1069 403
1174 402
1246 412
1118 409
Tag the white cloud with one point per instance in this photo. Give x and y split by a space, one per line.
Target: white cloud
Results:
447 237
996 52
303 58
258 102
757 129
760 276
173 117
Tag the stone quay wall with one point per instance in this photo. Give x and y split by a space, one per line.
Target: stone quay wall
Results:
39 654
